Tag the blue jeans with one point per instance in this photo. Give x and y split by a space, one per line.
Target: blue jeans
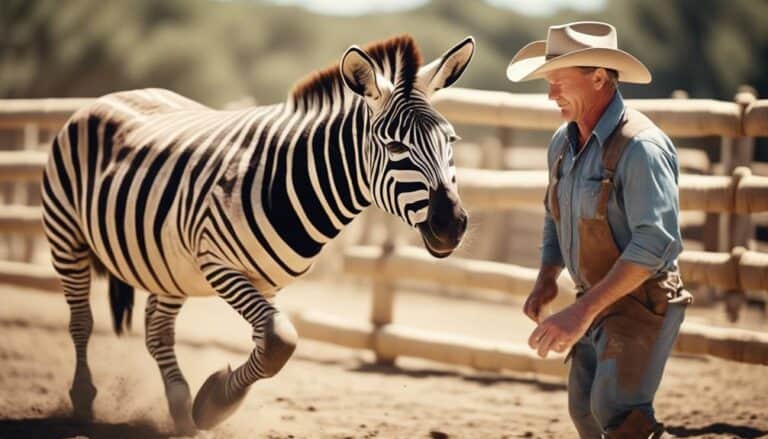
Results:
597 399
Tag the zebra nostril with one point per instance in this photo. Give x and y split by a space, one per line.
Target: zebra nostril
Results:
463 222
447 219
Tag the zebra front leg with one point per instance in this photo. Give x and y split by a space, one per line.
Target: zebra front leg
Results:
275 339
160 317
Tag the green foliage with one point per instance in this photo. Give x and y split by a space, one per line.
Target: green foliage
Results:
217 51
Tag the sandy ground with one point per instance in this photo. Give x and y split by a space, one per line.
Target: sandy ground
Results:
327 391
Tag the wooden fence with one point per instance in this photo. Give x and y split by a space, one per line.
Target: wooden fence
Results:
740 193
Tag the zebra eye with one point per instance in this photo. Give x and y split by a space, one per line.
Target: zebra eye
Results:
453 138
396 148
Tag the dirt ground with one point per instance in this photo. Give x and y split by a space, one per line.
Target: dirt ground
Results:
327 391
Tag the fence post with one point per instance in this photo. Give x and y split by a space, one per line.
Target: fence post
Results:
383 299
738 228
28 193
736 151
742 229
494 223
735 299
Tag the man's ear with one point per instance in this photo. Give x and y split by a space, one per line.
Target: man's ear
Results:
600 78
444 71
358 72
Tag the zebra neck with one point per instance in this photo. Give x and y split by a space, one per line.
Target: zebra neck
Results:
308 178
332 159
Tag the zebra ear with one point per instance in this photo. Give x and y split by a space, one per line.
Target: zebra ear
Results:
359 74
444 71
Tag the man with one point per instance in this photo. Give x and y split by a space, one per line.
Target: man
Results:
612 220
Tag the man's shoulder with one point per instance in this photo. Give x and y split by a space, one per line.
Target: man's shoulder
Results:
650 147
650 132
556 142
652 139
558 137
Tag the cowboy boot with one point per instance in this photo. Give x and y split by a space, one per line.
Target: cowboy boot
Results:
637 425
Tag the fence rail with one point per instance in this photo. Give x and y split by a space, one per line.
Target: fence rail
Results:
677 117
21 166
498 190
739 270
45 113
395 340
756 119
26 220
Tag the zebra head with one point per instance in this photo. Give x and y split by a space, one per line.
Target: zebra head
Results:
409 151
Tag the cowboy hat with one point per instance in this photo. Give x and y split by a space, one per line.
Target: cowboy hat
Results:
579 44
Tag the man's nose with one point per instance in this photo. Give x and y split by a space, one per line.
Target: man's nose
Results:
554 93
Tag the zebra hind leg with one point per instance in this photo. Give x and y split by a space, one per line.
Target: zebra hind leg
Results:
74 269
275 339
160 317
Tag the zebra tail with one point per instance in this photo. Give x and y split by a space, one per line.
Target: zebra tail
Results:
98 266
120 297
121 302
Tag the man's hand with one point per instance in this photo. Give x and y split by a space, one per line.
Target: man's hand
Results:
543 293
562 330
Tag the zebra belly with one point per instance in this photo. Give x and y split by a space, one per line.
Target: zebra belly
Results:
177 274
145 254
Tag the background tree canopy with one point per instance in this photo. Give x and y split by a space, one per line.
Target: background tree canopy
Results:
217 51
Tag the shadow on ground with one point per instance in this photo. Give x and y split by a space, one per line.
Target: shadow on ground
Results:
485 380
730 430
60 427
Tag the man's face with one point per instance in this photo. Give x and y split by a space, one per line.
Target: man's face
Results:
572 90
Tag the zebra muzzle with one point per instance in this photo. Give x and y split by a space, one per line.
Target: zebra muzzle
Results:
446 222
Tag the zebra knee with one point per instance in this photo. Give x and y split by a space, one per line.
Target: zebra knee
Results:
280 340
159 335
158 345
81 318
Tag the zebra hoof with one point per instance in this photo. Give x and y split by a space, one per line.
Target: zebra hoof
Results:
180 406
211 406
82 396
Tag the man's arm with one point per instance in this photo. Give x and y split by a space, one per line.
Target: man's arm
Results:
624 277
545 288
550 245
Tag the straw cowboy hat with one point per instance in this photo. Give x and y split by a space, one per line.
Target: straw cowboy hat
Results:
583 43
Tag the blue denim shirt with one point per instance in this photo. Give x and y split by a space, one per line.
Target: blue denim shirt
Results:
643 209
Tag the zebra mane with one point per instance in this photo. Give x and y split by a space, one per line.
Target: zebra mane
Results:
397 57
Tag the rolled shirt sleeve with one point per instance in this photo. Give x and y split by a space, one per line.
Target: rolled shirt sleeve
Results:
648 175
550 246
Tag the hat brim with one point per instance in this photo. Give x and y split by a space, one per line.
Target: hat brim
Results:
530 63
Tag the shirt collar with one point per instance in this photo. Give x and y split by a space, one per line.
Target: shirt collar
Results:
610 118
605 126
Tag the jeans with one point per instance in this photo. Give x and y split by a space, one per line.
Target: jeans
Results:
597 400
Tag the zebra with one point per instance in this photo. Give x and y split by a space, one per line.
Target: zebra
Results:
164 194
